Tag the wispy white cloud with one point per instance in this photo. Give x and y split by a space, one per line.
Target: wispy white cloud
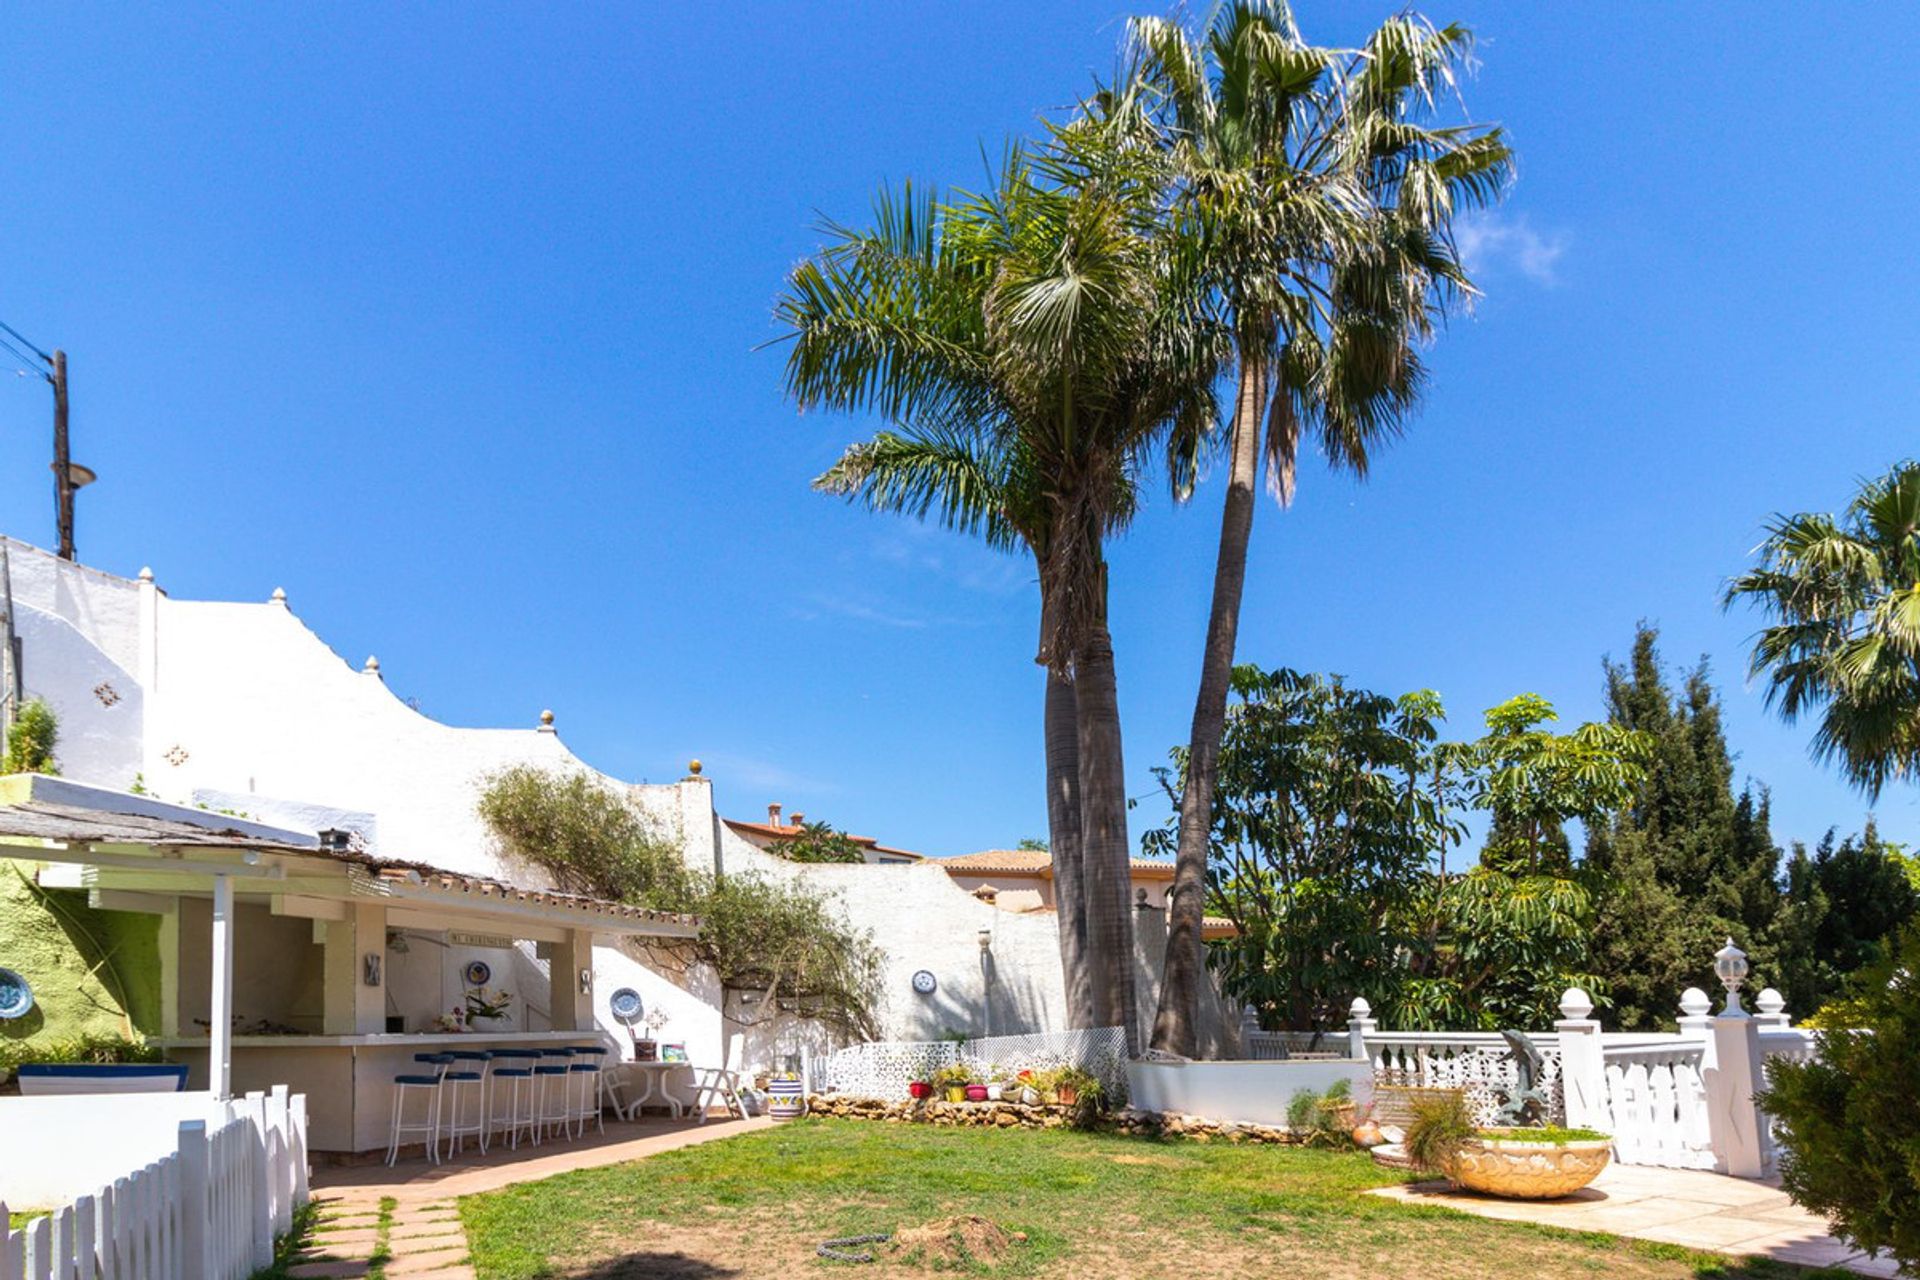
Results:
1494 242
763 775
820 605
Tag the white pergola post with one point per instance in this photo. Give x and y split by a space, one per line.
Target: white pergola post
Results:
220 1046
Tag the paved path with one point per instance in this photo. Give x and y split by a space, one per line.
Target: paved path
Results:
1708 1211
420 1236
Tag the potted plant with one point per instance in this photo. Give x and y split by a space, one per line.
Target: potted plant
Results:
1322 1119
484 1005
1029 1088
951 1082
1077 1088
996 1084
919 1089
1537 1163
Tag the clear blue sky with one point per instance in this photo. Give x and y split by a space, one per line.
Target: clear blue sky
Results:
446 321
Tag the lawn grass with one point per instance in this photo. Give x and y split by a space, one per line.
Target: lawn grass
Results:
1089 1205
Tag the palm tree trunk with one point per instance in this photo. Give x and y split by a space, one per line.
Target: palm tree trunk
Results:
1103 831
1174 1023
1063 838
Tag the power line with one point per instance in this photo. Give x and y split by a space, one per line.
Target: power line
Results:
22 339
26 362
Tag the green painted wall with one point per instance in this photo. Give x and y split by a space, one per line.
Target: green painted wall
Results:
92 972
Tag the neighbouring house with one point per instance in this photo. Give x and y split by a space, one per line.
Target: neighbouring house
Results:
772 833
1021 881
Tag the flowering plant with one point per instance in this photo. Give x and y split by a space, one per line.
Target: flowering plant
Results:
485 1003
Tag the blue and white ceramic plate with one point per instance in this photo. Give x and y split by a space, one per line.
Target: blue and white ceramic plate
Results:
16 997
626 1004
479 973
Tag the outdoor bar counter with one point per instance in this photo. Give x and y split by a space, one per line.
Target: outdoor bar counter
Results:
348 1079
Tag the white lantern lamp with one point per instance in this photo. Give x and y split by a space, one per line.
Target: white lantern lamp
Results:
1730 965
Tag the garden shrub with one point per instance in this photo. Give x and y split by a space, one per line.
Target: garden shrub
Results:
31 738
1847 1121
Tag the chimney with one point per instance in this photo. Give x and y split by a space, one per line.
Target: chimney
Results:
799 818
773 815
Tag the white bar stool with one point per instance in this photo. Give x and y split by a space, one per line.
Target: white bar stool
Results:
552 1080
517 1082
430 1127
586 1103
464 1100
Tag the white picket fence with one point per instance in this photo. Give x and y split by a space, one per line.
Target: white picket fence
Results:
210 1210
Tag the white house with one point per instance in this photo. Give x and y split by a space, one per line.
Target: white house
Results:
241 707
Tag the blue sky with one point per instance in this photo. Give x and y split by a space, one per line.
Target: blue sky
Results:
446 321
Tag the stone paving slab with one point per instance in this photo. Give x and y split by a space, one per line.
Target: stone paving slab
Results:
1698 1210
425 1263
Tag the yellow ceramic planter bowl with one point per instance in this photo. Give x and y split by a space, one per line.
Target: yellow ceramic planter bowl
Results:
1529 1170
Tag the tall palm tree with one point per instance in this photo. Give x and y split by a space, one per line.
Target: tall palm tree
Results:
1034 346
1326 196
1846 596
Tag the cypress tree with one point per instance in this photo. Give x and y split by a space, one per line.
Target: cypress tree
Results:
1689 862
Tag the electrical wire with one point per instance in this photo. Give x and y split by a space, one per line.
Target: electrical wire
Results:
26 364
21 338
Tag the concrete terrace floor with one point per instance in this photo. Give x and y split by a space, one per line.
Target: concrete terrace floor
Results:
1707 1211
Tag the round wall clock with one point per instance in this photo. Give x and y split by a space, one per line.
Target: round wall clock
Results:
16 997
924 983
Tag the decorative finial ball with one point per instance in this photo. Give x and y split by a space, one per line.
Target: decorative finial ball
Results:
693 767
1575 1004
1770 1002
1360 1008
279 595
1730 965
1694 1002
146 573
373 666
546 719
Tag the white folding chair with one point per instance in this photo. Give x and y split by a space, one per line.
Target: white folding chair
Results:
720 1084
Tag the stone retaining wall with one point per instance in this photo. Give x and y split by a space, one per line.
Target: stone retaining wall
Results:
1015 1115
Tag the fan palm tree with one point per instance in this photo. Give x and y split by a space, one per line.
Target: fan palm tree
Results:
1326 198
1032 347
1845 594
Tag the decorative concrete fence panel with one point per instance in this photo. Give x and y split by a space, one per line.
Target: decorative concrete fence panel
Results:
1480 1064
209 1209
884 1068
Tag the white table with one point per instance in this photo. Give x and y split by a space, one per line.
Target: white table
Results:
653 1078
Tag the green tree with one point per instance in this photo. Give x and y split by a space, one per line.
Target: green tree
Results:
1844 904
1324 192
1846 1119
819 842
1686 862
1031 347
1844 597
1323 821
31 738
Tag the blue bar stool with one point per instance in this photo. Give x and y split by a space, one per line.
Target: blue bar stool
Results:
465 1099
553 1077
515 1078
429 1084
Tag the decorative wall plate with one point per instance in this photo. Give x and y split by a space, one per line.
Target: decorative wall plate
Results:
478 973
626 1004
16 997
924 982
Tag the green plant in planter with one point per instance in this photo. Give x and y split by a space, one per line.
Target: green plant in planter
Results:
31 740
950 1080
1322 1119
1441 1126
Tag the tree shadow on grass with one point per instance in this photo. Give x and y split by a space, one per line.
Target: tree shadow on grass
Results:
651 1265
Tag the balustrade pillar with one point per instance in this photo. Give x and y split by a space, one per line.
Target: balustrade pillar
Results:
1583 1068
1733 1121
1360 1024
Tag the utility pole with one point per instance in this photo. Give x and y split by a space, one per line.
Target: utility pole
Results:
62 457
